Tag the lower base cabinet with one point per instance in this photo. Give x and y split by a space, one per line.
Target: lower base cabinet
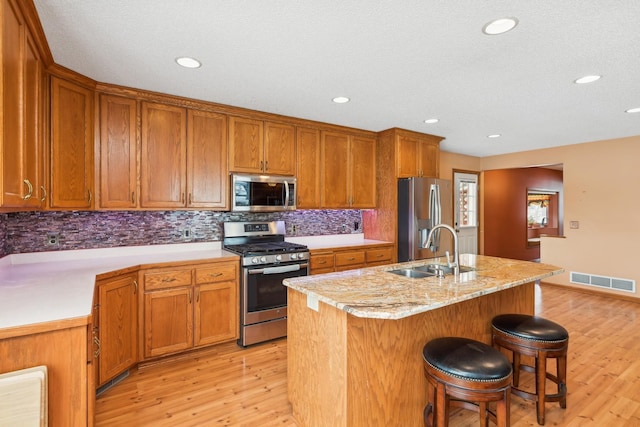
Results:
188 307
330 260
116 335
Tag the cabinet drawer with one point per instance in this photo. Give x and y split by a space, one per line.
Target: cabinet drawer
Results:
349 258
379 255
216 273
167 279
324 261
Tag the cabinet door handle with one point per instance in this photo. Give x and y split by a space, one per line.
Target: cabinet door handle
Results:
322 262
261 165
190 199
135 287
214 275
351 259
266 165
90 196
133 197
190 297
198 295
29 189
168 279
44 194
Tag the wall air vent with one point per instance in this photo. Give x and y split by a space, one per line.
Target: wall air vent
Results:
615 283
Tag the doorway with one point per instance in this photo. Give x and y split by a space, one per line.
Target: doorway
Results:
466 210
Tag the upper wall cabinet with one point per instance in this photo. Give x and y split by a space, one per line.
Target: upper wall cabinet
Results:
21 109
207 176
416 154
261 147
348 171
163 172
71 145
118 165
307 168
183 158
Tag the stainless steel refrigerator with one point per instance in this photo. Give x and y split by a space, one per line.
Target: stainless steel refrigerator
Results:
422 204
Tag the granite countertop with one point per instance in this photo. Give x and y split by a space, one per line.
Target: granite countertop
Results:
375 293
49 286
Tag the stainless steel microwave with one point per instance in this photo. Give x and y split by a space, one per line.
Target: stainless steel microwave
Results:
262 193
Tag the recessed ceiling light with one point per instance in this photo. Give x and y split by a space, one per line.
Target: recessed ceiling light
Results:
633 110
494 135
587 79
341 99
187 62
499 26
431 121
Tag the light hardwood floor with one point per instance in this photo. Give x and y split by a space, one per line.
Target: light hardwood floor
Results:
229 386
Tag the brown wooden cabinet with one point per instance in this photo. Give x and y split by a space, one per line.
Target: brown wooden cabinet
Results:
307 168
328 260
416 155
207 177
348 171
261 147
190 306
118 145
216 311
21 103
117 326
71 145
163 167
183 158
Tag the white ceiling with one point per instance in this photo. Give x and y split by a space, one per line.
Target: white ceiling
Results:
400 62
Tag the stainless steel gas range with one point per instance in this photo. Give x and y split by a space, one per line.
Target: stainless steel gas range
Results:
266 259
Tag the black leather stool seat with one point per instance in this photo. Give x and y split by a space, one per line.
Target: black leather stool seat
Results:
465 373
466 359
538 339
530 327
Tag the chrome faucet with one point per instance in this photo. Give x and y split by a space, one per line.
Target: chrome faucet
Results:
456 257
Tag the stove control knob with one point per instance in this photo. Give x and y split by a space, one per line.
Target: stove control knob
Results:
301 255
254 260
294 256
278 257
263 259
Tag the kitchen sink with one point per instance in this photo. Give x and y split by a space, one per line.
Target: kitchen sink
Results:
441 270
411 273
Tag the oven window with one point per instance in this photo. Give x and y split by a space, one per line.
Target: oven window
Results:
265 291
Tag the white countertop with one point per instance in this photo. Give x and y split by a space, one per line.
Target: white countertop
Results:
50 286
334 241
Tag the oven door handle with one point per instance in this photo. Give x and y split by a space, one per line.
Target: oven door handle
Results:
279 269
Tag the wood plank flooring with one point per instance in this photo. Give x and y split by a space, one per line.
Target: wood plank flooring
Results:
229 386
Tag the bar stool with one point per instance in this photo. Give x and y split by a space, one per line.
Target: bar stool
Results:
541 339
466 373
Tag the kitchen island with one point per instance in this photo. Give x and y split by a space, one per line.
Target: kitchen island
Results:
355 338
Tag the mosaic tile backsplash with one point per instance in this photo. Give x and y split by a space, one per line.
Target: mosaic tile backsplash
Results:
22 232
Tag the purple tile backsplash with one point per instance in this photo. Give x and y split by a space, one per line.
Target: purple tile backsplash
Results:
22 232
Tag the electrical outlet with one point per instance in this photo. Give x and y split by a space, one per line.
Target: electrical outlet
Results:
344 228
574 224
294 228
53 239
356 225
186 233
